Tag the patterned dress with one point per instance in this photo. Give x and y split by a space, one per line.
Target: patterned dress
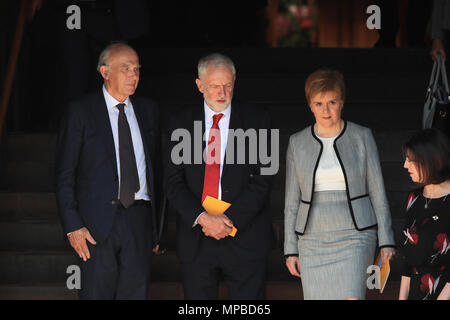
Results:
426 245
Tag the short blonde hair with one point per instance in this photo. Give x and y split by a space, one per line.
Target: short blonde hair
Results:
324 80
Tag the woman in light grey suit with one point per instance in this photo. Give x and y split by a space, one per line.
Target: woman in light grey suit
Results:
335 203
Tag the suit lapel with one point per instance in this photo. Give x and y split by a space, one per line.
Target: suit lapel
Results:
199 115
143 125
235 123
104 125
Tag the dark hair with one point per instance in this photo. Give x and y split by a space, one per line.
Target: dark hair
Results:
430 150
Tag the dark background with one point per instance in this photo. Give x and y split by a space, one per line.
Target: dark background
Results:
386 77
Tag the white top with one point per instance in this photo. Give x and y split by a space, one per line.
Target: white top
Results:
329 175
138 146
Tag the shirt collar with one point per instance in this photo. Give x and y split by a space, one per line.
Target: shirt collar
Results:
111 102
210 113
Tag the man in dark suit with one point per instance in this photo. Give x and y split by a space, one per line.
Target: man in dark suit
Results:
105 180
204 245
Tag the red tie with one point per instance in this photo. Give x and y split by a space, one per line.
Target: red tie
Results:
212 167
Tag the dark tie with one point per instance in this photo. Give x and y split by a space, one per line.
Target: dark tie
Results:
212 167
129 179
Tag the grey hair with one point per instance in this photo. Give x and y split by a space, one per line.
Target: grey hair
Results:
103 59
215 60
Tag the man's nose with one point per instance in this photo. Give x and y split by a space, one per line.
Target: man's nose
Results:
132 73
222 91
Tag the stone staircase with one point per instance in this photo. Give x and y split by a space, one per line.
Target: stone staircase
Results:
385 90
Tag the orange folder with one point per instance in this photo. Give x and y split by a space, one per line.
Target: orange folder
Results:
384 272
217 207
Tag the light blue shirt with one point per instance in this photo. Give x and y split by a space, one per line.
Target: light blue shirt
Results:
138 146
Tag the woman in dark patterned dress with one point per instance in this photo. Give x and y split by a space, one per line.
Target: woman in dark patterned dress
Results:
426 245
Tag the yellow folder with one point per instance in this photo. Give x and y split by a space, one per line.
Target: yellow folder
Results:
217 207
384 272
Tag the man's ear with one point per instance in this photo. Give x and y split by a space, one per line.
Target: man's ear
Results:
198 82
104 71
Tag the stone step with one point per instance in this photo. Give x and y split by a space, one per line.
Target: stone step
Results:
20 230
389 144
25 172
293 116
275 87
20 147
396 200
39 147
395 178
29 175
275 290
25 267
290 60
168 239
28 267
36 234
27 206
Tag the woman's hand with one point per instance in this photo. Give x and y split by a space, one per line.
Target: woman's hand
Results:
404 288
445 293
293 264
437 48
386 255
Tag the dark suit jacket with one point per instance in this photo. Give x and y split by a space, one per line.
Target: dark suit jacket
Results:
242 186
86 168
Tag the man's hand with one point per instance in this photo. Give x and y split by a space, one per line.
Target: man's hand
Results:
78 239
216 226
293 265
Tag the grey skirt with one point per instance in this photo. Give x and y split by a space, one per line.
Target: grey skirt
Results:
333 255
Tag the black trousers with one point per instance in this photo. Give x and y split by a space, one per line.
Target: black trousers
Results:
119 267
222 259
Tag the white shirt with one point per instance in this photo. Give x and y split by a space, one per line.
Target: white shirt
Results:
329 175
138 146
224 124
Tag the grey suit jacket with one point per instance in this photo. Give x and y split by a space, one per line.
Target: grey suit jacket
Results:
358 156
